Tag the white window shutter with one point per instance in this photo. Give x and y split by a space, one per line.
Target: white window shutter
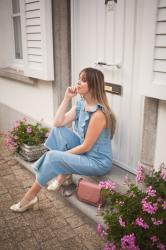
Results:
153 50
36 25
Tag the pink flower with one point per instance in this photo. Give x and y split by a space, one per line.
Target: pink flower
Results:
101 231
121 222
16 125
161 246
128 242
99 228
126 179
163 174
108 246
154 238
157 222
148 207
25 119
140 222
140 174
159 199
107 185
150 191
29 130
9 143
164 205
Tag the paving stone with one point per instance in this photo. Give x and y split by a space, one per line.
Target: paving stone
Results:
64 233
37 223
5 172
17 197
67 211
7 245
21 234
57 222
75 221
29 244
8 214
46 204
16 223
27 183
5 205
3 190
73 244
4 234
12 162
2 223
10 181
6 197
51 245
15 167
44 234
89 237
50 213
16 190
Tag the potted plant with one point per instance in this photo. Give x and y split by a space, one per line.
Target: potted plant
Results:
27 139
135 220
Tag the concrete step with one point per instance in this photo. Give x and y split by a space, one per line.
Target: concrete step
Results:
116 174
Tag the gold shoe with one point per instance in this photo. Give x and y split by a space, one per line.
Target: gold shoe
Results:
55 185
20 209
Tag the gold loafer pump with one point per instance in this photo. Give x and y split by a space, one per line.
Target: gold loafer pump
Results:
55 185
20 209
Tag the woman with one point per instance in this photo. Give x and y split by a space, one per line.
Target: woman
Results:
87 150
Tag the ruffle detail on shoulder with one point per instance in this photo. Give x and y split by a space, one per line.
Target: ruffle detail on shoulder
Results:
98 106
84 119
85 116
79 105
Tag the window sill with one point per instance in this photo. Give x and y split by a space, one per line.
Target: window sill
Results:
16 76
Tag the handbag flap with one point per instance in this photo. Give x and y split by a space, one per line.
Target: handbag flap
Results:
88 192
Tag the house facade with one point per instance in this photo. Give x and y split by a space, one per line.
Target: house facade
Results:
45 44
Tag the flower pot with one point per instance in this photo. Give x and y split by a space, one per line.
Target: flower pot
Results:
31 153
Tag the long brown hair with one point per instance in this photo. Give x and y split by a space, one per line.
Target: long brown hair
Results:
96 85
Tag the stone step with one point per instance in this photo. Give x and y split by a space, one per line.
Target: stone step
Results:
116 174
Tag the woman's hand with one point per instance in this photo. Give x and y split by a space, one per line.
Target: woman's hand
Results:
70 92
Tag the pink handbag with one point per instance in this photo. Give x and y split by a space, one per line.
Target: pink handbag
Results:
89 192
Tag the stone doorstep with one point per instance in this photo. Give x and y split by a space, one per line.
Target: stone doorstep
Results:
117 175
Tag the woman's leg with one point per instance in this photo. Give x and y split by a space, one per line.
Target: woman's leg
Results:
61 139
30 194
29 199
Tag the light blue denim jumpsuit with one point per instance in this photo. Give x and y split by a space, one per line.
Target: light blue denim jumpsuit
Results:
97 161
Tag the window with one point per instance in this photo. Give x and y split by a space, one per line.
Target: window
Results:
27 46
17 29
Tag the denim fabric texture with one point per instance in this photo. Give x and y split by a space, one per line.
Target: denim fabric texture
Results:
96 162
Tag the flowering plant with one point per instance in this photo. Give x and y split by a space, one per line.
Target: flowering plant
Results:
24 132
135 220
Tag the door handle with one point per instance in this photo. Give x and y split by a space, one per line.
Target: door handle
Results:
117 65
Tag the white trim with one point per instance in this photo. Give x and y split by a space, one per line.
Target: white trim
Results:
43 68
149 87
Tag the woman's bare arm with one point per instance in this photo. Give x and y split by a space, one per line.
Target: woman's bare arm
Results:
62 117
96 124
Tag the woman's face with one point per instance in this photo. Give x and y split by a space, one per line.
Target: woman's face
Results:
82 85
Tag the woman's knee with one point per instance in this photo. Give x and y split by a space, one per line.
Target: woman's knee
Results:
54 156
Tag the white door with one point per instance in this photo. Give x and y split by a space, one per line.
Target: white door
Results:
105 33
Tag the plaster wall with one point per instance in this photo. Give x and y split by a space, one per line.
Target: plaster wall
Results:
6 36
35 101
160 152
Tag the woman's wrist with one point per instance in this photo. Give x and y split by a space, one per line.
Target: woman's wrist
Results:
67 98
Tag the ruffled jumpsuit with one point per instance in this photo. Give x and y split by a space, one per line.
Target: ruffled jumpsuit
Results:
96 162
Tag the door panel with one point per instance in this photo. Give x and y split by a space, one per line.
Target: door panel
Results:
103 35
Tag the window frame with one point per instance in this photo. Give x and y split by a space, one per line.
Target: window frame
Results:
17 64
